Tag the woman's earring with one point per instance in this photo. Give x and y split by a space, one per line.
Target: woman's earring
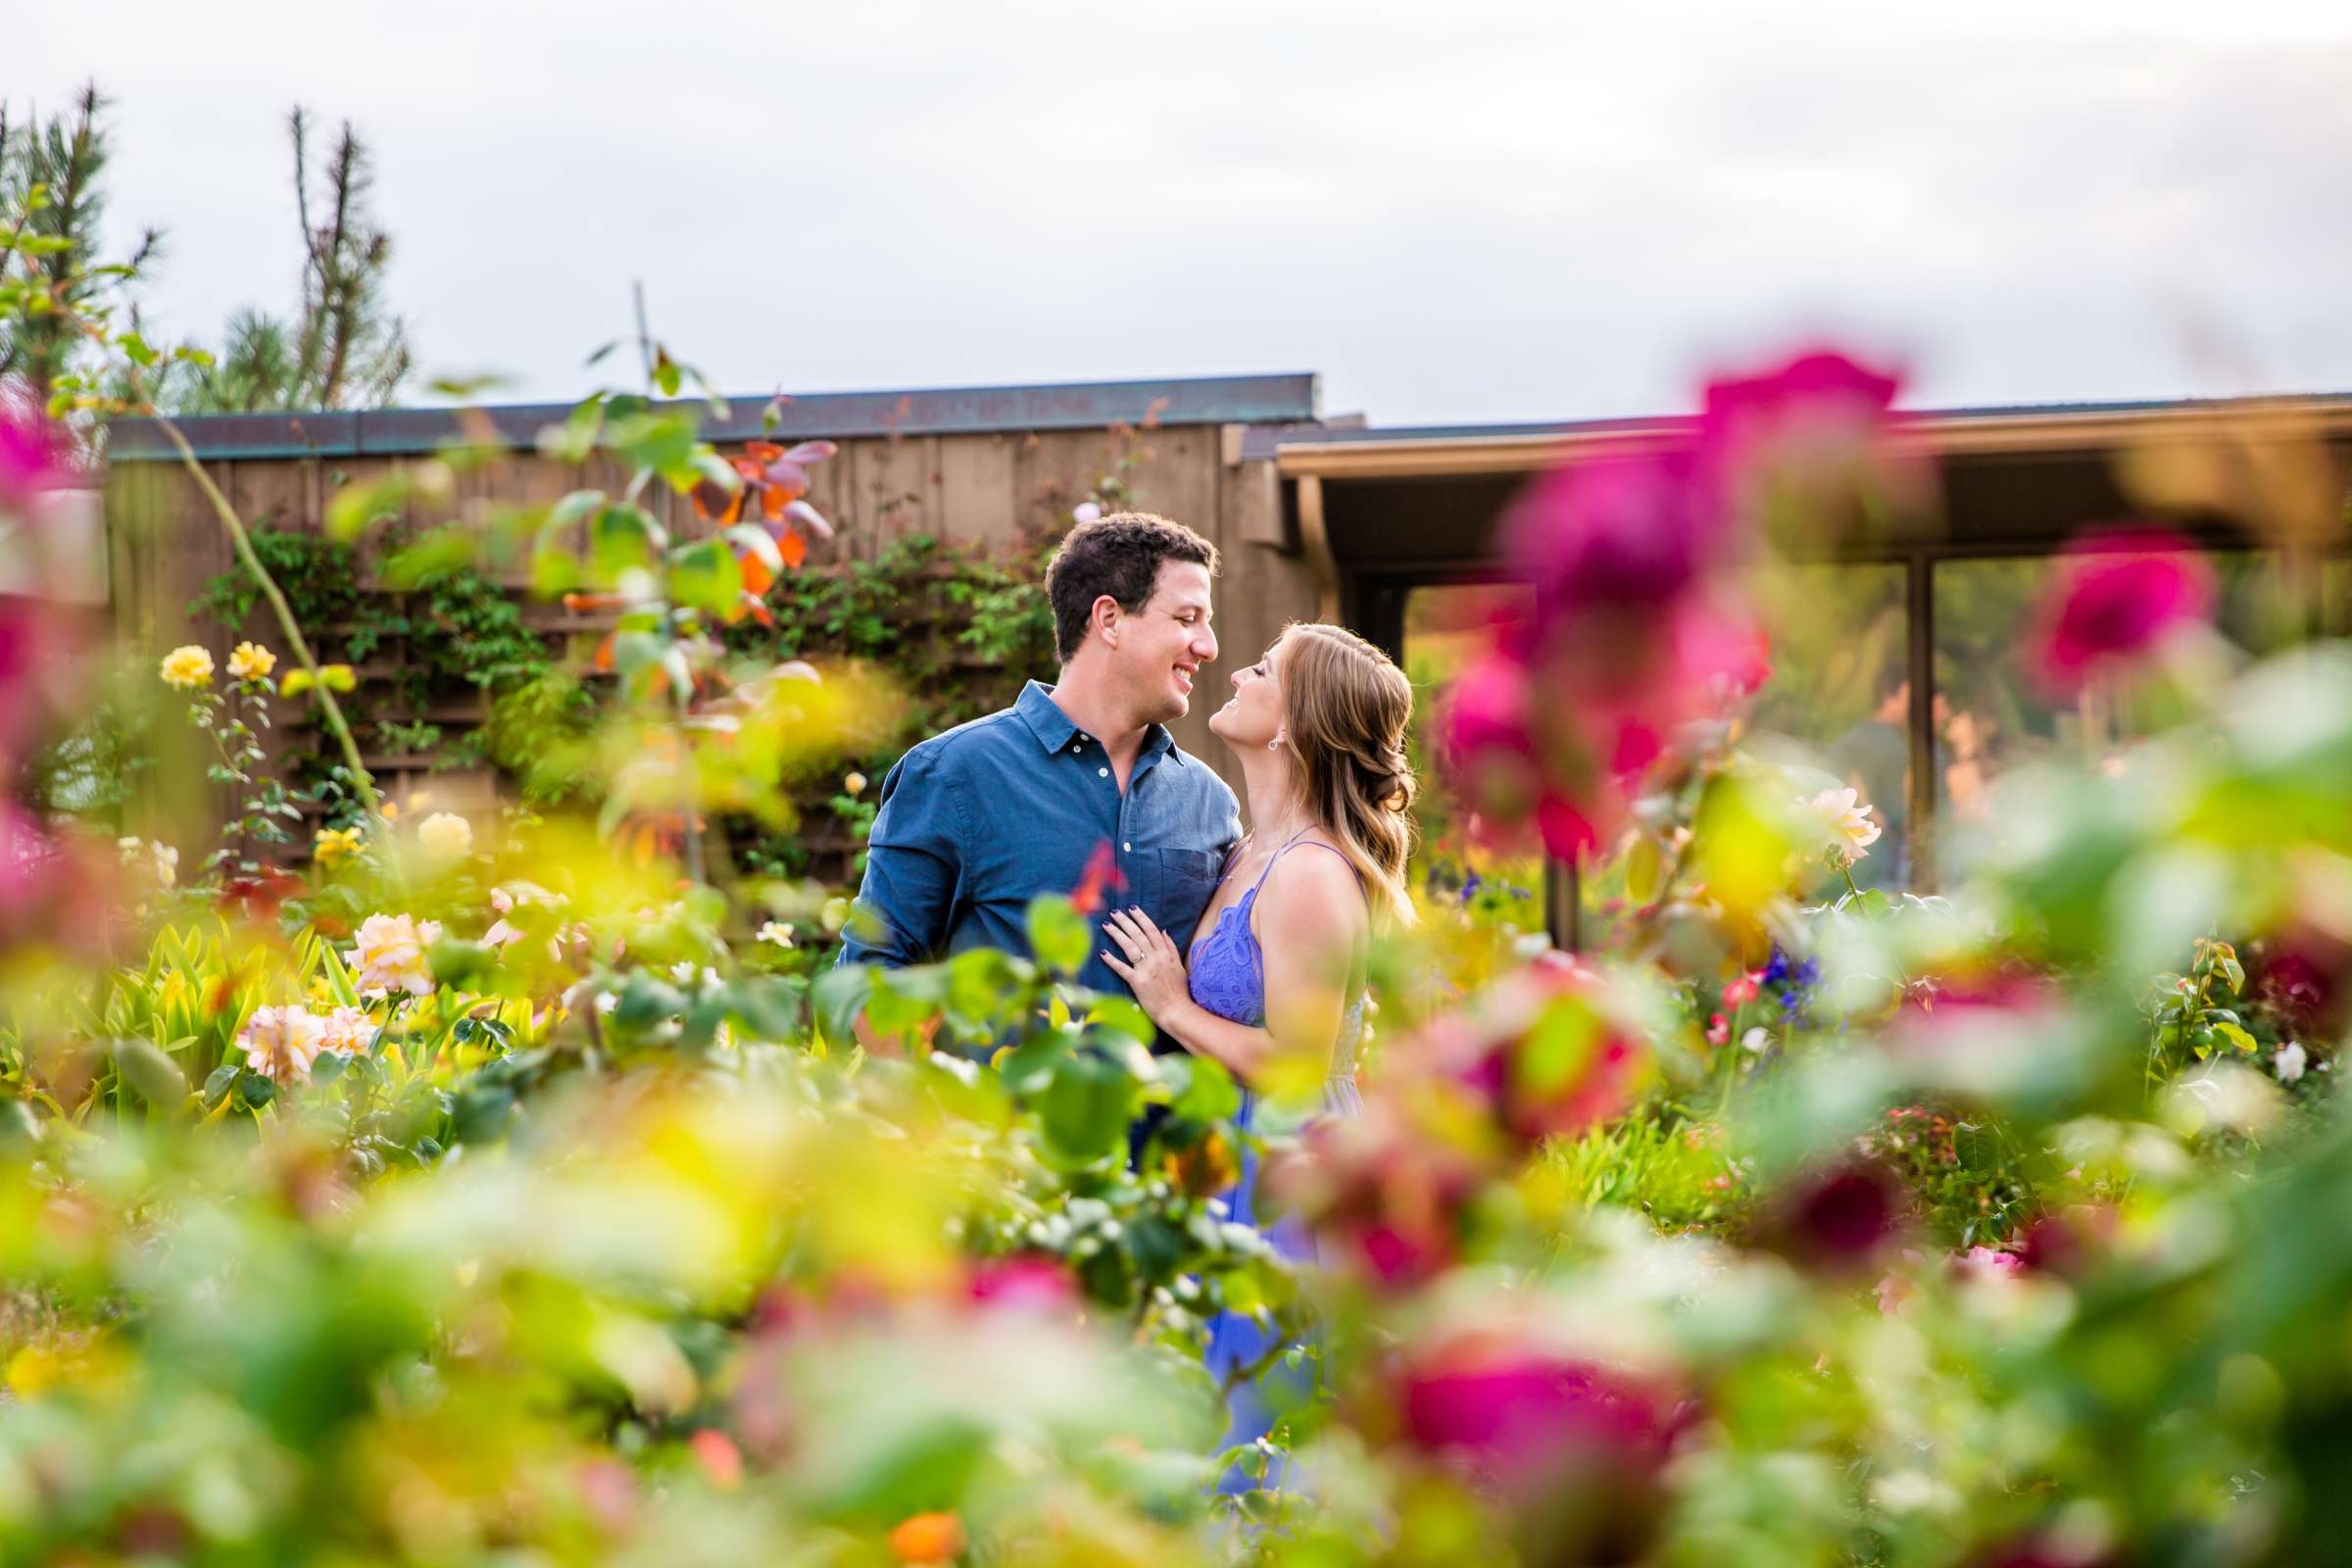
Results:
1275 745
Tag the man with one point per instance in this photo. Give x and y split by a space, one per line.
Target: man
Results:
974 823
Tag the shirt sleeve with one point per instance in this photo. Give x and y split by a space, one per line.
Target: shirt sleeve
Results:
913 868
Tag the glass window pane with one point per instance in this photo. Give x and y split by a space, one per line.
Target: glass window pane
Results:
1992 714
1838 701
1446 626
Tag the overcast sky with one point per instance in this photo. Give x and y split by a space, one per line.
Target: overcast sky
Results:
1454 211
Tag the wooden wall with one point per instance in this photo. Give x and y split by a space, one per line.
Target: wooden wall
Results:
993 491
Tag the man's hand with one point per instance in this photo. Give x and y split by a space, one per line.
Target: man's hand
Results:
1153 970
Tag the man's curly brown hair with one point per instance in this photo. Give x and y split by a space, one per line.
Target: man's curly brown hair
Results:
1119 554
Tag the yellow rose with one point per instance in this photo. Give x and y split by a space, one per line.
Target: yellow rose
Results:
188 668
251 662
335 845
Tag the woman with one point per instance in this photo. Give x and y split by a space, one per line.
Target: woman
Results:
1276 969
1275 972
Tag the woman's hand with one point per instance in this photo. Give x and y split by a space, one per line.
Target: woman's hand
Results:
1153 970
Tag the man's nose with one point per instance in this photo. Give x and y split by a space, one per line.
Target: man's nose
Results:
1205 646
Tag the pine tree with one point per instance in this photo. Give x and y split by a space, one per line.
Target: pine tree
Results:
344 348
52 200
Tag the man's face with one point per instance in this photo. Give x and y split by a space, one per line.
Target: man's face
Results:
1162 647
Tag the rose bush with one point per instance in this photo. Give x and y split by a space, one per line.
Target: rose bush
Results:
516 1189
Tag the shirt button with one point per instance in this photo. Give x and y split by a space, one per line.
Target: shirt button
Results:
1102 772
1126 849
1075 748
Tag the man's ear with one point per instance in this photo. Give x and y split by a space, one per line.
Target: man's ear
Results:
1106 618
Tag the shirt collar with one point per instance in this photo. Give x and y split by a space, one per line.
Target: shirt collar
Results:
1053 729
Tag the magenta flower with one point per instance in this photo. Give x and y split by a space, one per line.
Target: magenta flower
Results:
1806 446
1841 1218
1026 1284
2114 600
32 456
1632 532
1815 395
1509 1415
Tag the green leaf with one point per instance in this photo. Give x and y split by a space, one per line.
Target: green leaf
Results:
575 508
2238 1036
623 538
769 1006
1205 1090
1085 1110
656 443
429 555
837 997
254 1091
151 1074
135 347
1123 1015
646 1002
705 575
1059 936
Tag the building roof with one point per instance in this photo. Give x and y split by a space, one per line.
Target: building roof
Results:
1288 399
1351 448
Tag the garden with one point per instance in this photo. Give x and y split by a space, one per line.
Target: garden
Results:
389 1184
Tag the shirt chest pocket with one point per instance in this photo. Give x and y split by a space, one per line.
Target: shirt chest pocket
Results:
1182 881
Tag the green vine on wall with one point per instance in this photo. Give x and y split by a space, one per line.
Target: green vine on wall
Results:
956 631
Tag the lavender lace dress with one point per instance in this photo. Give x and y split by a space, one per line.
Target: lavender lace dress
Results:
1228 977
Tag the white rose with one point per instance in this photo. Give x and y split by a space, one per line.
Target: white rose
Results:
445 836
1845 817
2288 1061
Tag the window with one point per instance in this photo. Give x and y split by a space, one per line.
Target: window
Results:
1990 714
1446 627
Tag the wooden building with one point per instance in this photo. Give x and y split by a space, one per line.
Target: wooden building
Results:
1314 516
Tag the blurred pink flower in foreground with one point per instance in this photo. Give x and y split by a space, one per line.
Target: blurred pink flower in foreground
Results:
1639 627
1509 1414
2114 600
1837 1219
33 456
1025 1284
1805 445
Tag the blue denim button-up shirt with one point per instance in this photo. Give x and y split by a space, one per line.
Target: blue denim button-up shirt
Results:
974 823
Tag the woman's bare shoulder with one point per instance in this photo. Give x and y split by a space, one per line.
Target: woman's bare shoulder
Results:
1312 892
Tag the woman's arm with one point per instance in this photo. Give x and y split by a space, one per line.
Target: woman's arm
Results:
1310 923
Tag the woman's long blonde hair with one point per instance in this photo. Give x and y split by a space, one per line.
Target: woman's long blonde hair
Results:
1347 706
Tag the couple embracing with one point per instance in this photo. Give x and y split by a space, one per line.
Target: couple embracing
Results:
1240 945
1248 948
1244 947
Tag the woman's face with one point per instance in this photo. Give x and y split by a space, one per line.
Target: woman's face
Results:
1252 717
